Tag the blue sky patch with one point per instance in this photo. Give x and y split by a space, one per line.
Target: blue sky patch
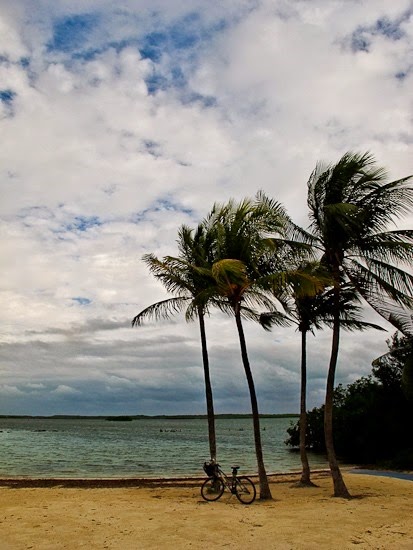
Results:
159 206
152 148
153 46
7 96
359 41
177 42
72 33
161 81
81 300
205 100
88 54
24 62
156 82
182 35
390 29
83 223
362 37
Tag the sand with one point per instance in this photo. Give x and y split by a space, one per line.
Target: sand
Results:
176 517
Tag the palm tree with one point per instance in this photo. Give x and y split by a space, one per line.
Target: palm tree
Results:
351 206
245 277
311 311
186 276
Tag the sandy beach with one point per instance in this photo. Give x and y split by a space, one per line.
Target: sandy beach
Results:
175 516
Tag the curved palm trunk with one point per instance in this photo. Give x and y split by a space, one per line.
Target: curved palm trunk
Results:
208 388
265 493
305 474
340 489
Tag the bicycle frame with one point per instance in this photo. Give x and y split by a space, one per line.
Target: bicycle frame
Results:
229 483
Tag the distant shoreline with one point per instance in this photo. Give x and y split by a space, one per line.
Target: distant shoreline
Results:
143 416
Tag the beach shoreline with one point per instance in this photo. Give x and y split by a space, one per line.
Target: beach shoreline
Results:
179 481
112 482
150 516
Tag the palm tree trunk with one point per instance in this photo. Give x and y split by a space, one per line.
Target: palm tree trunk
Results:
340 489
305 474
208 388
265 492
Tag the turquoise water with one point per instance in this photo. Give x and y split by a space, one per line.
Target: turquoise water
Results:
150 447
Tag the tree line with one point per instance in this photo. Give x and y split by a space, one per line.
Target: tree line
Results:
371 414
250 260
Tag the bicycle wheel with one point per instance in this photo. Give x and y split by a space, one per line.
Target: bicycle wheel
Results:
212 489
245 490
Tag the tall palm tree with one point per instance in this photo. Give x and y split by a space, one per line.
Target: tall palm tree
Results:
188 278
311 311
308 311
351 206
245 277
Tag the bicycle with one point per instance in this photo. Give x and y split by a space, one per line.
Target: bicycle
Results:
240 486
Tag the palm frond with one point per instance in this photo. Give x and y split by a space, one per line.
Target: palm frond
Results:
229 274
316 185
290 250
356 180
351 206
389 246
402 320
161 310
353 325
255 298
270 319
386 203
380 294
393 280
299 281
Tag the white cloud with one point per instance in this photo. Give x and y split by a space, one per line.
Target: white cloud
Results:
8 391
62 389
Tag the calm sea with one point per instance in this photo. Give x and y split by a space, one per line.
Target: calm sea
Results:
150 447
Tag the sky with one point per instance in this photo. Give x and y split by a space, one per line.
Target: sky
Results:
119 122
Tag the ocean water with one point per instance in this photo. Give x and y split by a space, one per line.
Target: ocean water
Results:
150 447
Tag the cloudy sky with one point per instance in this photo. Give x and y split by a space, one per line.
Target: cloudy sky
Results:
120 121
